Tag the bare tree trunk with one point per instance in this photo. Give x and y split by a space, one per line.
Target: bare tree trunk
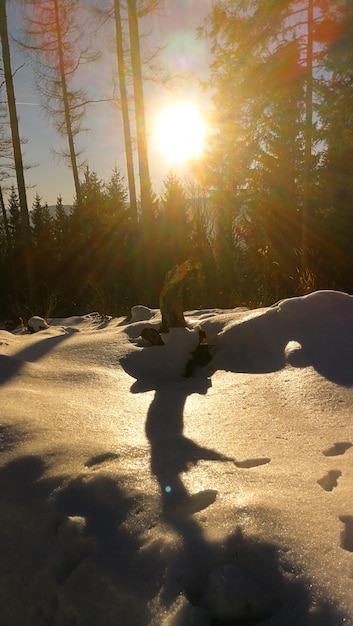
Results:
16 143
139 109
125 111
308 134
67 107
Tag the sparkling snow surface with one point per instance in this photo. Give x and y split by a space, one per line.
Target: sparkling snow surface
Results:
133 496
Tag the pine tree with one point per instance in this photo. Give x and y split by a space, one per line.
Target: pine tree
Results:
101 242
43 242
41 221
60 221
174 227
88 212
336 133
15 226
117 199
118 254
264 152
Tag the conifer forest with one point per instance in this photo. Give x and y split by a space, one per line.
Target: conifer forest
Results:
266 211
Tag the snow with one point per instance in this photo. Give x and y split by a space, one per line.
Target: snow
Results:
131 495
36 323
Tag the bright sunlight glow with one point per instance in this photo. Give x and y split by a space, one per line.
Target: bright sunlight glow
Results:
180 133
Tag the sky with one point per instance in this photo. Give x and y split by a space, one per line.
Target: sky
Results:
132 495
173 28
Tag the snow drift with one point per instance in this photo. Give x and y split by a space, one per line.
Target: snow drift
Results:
132 495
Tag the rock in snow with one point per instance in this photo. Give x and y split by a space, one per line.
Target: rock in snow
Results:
36 323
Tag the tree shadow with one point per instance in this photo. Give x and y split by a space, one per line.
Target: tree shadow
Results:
22 481
240 581
11 366
237 580
79 550
171 452
68 554
11 436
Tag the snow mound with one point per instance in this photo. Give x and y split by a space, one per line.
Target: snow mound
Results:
140 313
259 341
320 323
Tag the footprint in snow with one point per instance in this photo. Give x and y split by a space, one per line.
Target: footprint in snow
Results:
248 463
192 503
338 448
329 481
347 533
101 458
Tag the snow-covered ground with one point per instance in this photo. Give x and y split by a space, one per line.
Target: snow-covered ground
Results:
133 496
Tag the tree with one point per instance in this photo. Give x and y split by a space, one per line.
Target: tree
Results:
6 257
125 107
61 228
249 79
276 184
6 151
175 232
61 234
55 36
41 221
119 250
60 224
42 235
15 226
335 201
264 152
199 215
16 144
16 243
145 183
308 131
127 16
102 240
117 198
5 224
7 270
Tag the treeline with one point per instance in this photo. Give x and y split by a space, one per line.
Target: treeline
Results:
96 256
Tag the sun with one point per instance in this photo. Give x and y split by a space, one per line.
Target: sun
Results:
180 133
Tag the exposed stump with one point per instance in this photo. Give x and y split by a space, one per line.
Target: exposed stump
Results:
171 300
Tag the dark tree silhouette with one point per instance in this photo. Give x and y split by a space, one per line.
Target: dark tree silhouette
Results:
16 144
